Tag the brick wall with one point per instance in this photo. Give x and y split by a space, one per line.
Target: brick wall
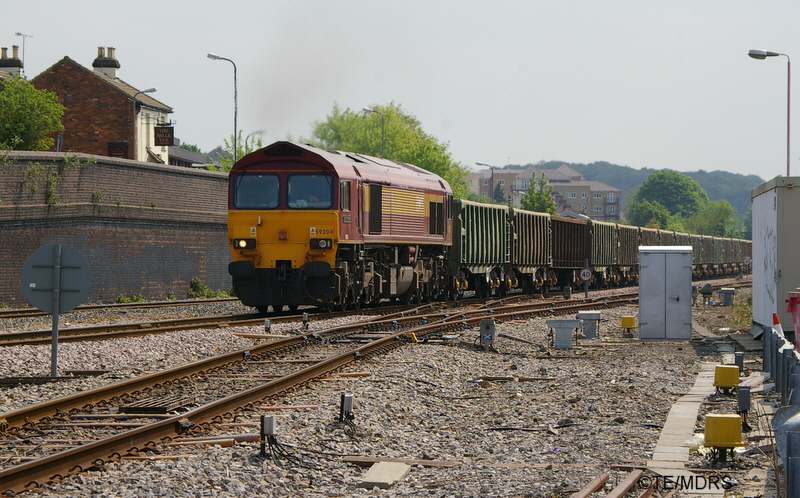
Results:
143 228
96 113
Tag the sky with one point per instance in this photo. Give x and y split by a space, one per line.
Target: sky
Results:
637 83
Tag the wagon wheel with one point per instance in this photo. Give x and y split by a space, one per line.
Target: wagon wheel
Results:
355 300
552 278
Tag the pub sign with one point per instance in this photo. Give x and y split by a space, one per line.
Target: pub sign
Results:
164 135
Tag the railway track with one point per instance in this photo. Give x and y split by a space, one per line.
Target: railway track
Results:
33 312
382 335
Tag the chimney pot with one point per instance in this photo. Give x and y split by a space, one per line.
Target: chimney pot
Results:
15 51
101 52
4 53
111 53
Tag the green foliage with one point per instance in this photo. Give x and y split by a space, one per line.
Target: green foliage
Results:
226 152
134 298
650 214
747 224
733 187
74 160
97 196
198 289
51 194
717 218
742 316
403 141
678 193
171 296
4 306
539 197
499 194
28 117
31 179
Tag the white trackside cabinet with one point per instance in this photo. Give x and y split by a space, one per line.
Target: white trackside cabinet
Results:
665 293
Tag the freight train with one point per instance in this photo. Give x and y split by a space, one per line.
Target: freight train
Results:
335 229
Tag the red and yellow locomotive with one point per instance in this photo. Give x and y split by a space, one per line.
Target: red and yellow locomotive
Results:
335 229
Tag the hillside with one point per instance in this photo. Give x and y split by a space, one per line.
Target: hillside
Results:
733 187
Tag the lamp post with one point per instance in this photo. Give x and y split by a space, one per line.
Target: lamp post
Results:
235 104
491 190
23 35
133 124
763 54
257 132
383 129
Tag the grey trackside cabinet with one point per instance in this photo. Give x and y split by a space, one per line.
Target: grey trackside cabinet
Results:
776 239
665 293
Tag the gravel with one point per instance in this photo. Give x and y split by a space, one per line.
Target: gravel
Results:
564 417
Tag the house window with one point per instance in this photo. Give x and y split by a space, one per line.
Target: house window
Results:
485 181
611 197
571 195
610 210
583 208
598 195
502 182
584 195
598 208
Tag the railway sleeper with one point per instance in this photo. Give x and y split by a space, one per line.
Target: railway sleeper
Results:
157 404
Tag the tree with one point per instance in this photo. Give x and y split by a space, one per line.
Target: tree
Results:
679 194
225 153
717 218
28 116
499 194
650 214
539 197
402 140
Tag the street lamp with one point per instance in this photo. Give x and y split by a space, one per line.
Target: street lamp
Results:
133 121
235 103
383 129
491 190
257 132
23 35
763 54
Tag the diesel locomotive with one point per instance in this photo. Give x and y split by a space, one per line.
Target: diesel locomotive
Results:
336 229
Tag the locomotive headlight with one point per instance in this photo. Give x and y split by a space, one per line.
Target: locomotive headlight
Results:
321 243
244 243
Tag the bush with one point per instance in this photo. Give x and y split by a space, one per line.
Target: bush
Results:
199 290
135 298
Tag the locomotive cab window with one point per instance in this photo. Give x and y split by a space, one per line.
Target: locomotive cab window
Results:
310 191
256 191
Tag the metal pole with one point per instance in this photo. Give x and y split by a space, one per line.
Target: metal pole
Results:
788 108
586 283
235 105
56 309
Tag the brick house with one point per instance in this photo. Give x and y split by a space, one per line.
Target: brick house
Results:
99 117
